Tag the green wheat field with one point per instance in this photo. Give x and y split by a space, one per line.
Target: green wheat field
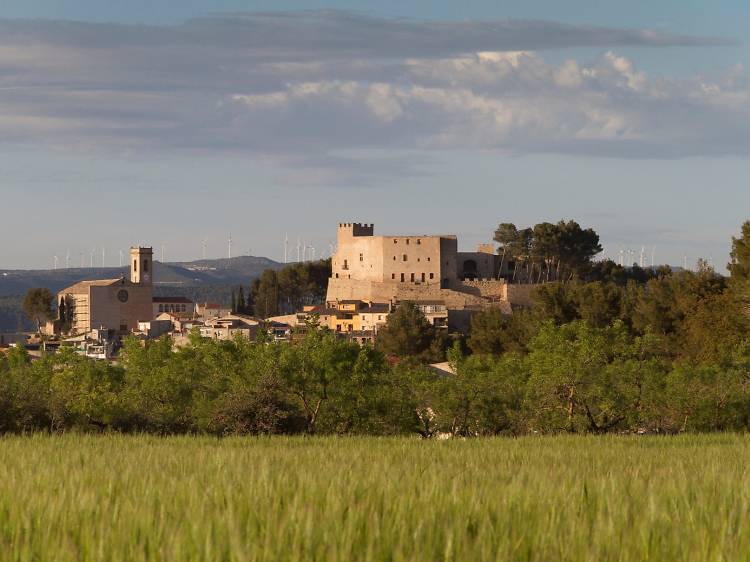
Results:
343 499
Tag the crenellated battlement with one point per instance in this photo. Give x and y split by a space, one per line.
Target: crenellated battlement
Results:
356 229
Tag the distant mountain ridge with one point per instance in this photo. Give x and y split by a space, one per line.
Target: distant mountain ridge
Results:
199 273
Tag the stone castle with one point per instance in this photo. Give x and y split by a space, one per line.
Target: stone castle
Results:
419 268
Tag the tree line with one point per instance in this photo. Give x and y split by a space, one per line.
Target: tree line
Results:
623 350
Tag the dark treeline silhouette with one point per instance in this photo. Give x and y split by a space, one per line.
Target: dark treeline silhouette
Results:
284 291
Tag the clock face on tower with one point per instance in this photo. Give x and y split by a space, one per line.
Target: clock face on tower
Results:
122 295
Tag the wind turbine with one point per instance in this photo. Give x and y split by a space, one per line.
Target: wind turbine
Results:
54 259
91 262
204 243
229 250
67 259
286 247
102 256
298 249
121 258
162 253
643 256
653 254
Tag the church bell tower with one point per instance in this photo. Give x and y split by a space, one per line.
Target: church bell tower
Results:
141 265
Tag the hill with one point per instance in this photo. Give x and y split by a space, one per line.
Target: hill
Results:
201 273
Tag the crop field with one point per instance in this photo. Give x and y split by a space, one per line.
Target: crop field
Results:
342 499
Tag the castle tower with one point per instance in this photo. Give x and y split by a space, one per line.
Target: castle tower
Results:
141 265
348 230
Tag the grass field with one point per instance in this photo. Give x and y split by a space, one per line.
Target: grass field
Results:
567 498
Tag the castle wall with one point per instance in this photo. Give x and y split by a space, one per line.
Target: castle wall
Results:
424 260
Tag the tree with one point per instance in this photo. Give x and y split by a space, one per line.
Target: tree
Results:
249 304
407 333
316 369
576 378
506 235
265 294
739 267
241 306
37 305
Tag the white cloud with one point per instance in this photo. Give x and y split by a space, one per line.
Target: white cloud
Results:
296 88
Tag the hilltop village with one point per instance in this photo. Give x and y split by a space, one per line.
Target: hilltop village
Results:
371 276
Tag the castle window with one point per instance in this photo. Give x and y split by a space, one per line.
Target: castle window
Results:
395 241
432 275
419 241
423 278
361 257
428 259
393 275
337 276
135 265
404 257
407 240
402 277
394 258
412 278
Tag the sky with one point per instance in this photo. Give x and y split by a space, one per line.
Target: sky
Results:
171 123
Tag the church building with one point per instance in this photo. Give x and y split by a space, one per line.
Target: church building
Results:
111 304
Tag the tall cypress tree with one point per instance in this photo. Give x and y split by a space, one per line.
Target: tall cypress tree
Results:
249 304
234 302
241 309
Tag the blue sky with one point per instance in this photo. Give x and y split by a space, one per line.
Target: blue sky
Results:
167 123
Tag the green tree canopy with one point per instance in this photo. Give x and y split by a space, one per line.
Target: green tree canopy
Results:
407 332
37 305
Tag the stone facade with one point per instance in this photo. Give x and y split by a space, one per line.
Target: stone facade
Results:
112 304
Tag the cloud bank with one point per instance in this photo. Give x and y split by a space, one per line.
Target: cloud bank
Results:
303 88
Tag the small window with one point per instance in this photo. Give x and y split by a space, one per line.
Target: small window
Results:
337 276
395 241
393 275
404 257
407 240
394 258
412 278
419 241
428 259
402 277
361 257
419 259
135 265
432 275
423 278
